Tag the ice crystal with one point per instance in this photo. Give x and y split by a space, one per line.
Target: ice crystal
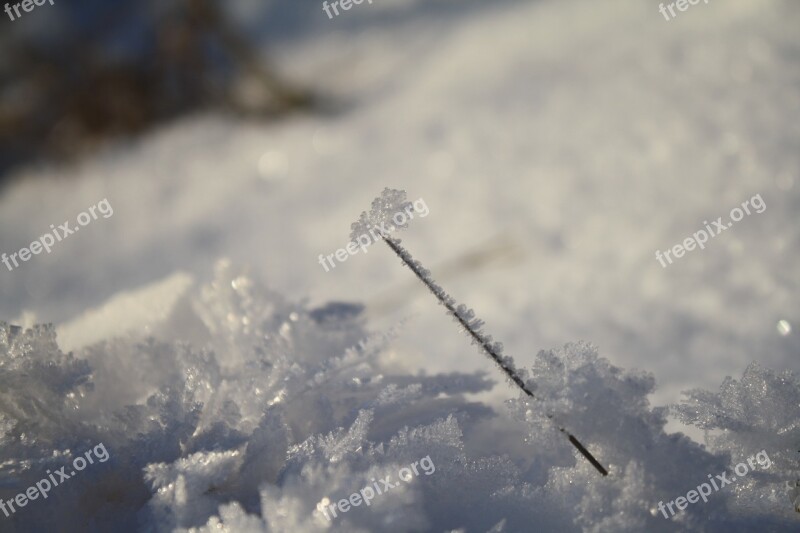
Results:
381 213
757 412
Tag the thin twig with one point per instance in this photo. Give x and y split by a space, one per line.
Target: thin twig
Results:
505 365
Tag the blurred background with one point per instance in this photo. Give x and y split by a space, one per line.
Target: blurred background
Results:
557 143
87 73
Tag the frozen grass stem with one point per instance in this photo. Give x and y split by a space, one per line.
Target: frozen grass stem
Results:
465 317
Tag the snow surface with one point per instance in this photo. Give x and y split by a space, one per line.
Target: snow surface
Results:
558 145
283 409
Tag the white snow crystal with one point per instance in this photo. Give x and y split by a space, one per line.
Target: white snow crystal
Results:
384 207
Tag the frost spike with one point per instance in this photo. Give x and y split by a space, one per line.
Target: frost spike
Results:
479 338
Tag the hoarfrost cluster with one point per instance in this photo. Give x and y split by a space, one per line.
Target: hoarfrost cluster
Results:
239 410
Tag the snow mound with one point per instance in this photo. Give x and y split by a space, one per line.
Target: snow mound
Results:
242 411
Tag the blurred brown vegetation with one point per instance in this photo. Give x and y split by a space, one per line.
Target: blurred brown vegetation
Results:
60 103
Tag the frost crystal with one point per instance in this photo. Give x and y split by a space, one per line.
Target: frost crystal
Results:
384 207
758 412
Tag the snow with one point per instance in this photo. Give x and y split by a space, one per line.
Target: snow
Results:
284 408
558 144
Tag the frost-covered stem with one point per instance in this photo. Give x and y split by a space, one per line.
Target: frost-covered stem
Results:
505 364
